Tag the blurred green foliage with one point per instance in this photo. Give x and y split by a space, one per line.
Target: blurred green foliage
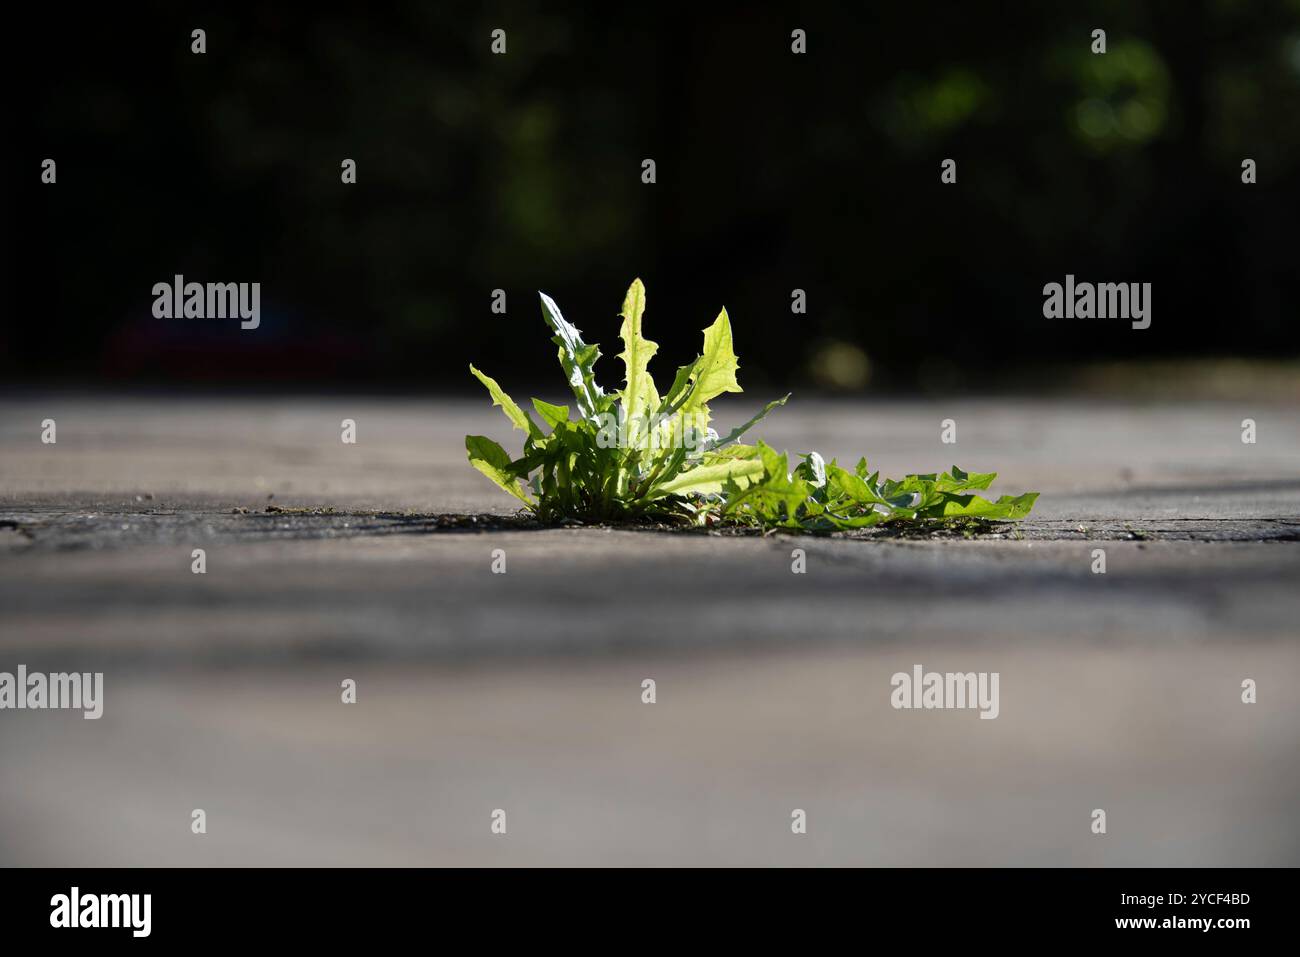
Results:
775 171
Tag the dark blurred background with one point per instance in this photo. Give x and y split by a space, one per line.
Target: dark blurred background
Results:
523 172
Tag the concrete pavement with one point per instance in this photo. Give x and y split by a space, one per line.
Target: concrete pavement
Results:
522 691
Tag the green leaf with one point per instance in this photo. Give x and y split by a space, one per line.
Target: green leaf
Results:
776 499
846 484
492 460
552 415
813 469
862 520
517 416
731 452
709 479
972 506
959 481
677 393
639 395
577 358
715 371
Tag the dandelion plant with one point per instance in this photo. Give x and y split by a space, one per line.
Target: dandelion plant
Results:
636 455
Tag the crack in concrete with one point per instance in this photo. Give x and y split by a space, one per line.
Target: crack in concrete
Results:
49 528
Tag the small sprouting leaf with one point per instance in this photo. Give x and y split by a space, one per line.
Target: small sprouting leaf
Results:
813 469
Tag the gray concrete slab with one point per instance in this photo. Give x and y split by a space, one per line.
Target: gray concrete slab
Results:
522 691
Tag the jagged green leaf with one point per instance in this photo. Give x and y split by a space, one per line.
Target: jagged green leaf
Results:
577 358
715 371
517 416
639 397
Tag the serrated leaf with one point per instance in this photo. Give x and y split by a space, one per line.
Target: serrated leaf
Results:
517 416
639 395
851 486
973 506
776 498
577 358
715 370
959 481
